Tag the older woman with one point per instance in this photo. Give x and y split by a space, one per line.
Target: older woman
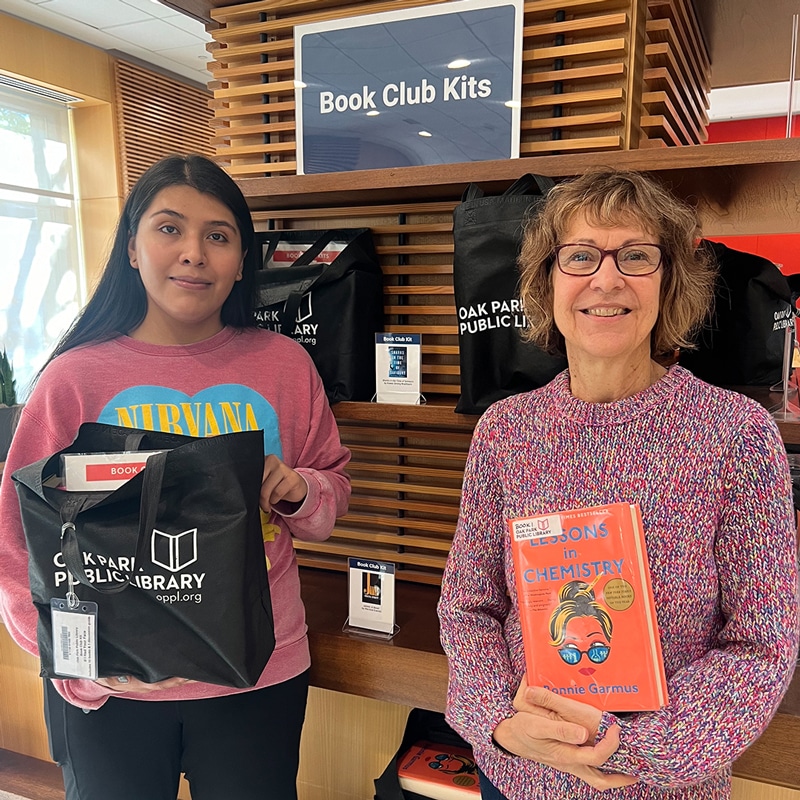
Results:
611 276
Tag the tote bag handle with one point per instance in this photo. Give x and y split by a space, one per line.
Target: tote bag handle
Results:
524 185
332 271
152 478
328 273
301 261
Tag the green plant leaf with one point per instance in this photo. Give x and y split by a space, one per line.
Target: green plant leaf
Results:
8 386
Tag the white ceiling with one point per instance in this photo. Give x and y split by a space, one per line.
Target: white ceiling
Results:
175 42
144 29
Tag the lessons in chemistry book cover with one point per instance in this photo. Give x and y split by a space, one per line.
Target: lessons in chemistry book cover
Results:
586 607
439 771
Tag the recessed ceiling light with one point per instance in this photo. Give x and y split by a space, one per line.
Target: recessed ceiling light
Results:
459 63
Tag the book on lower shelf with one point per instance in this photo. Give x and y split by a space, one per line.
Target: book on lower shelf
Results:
586 607
439 771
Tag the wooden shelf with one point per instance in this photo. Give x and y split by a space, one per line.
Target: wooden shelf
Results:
409 669
790 432
447 181
325 597
27 777
441 412
436 412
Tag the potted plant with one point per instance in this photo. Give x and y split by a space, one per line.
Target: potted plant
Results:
8 404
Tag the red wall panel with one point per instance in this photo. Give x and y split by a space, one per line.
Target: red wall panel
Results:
782 249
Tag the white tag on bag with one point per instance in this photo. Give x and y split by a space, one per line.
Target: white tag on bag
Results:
74 625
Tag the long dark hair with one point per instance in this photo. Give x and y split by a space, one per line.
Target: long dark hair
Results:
119 303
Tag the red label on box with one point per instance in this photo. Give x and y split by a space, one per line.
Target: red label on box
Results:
113 472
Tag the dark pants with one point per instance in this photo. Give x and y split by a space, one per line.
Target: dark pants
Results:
488 790
239 747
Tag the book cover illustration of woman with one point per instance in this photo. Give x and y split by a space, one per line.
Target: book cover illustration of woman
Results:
581 626
462 768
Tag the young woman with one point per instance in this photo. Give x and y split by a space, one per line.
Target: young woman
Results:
171 321
611 277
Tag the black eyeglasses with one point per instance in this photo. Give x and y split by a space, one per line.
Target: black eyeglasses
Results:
633 260
597 654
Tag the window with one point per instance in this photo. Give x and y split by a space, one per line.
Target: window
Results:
41 283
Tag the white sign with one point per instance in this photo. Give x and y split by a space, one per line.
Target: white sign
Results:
371 595
398 367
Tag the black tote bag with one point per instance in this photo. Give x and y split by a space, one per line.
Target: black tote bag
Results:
174 558
333 309
742 341
487 233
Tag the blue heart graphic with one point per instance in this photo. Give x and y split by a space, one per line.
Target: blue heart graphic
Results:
226 408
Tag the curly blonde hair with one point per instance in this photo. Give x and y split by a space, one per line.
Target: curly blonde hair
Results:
610 198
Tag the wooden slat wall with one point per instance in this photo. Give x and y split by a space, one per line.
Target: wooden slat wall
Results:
583 85
406 475
157 116
406 484
415 247
677 76
576 64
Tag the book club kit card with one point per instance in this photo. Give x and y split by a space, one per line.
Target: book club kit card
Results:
586 607
371 596
398 370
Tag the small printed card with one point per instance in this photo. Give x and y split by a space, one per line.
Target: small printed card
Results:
398 358
371 590
74 638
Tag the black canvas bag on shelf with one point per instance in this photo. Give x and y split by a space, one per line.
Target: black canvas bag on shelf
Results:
487 233
333 309
421 725
196 604
742 342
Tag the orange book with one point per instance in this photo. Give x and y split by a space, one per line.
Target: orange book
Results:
439 771
586 607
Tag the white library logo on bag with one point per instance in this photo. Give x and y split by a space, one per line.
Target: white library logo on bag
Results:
305 311
173 551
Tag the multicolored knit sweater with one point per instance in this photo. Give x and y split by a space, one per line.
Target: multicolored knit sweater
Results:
709 471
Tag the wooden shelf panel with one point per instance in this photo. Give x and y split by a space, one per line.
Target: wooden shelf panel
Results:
436 412
25 776
410 669
447 181
441 412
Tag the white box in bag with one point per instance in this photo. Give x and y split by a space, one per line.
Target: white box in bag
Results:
102 472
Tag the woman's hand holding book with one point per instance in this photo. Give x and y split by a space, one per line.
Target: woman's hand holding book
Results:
561 733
